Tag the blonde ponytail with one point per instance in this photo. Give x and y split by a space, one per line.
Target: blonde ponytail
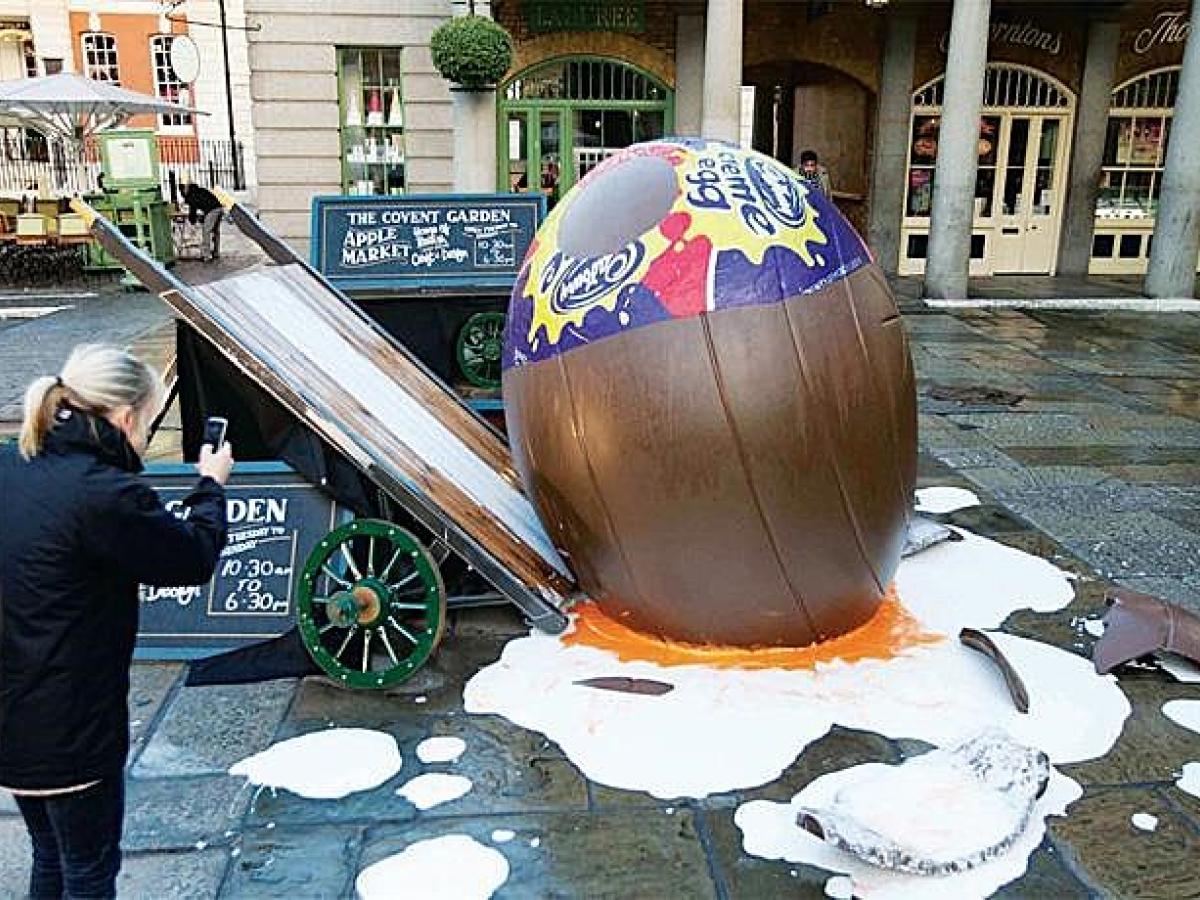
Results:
96 379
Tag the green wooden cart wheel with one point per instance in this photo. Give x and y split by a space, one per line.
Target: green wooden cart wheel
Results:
480 346
371 604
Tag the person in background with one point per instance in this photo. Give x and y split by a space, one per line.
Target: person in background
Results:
81 531
815 174
205 210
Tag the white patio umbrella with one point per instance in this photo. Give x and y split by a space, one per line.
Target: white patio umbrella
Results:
73 108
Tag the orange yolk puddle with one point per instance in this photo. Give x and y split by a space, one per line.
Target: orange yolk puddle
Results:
887 634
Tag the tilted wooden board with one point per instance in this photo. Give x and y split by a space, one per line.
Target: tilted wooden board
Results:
306 346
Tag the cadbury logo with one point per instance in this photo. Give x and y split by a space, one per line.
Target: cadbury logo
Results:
764 194
572 283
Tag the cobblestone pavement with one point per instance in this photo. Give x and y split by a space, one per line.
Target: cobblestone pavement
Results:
1096 466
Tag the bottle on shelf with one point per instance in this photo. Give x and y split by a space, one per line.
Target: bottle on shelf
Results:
374 108
396 110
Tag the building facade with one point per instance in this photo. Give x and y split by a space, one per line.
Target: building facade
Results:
128 42
1075 108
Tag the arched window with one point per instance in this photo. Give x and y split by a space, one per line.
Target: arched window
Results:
601 80
1135 148
1007 87
1008 90
99 52
166 85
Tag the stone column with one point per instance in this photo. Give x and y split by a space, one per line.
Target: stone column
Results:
689 74
475 149
1172 271
474 140
1087 148
958 155
892 114
722 117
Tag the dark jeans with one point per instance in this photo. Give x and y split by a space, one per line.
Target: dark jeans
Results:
76 841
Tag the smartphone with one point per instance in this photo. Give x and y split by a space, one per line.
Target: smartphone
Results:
214 431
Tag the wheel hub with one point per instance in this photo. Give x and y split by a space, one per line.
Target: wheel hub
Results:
363 603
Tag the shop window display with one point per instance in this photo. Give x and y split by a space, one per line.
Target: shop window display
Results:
1135 148
923 159
372 121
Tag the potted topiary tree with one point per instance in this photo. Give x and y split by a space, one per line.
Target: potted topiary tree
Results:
473 53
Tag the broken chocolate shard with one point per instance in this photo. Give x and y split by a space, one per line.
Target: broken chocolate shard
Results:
923 533
645 686
1138 624
978 640
988 779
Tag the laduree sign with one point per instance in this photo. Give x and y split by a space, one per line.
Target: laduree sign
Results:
568 15
468 240
275 519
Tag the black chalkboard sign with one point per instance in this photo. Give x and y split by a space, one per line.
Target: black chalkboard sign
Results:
420 241
275 519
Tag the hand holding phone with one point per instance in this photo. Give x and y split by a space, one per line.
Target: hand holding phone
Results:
216 456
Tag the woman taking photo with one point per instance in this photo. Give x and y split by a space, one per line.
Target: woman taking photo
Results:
80 532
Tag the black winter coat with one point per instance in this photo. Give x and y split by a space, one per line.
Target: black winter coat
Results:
79 530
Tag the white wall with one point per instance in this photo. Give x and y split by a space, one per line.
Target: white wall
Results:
209 89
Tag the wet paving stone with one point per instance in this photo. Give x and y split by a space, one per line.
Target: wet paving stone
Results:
318 861
179 813
1113 856
182 876
149 686
207 729
841 748
618 854
435 690
1152 748
15 857
512 771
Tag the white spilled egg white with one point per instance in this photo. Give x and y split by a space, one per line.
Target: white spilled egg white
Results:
324 765
731 729
434 788
451 867
441 749
938 500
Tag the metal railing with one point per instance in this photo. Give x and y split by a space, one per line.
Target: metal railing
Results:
60 168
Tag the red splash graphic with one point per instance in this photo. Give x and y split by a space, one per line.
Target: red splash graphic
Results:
679 276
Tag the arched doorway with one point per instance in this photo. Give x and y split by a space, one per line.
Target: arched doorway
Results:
560 118
809 106
1024 149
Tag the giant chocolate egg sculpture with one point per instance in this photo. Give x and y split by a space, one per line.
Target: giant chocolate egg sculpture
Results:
710 399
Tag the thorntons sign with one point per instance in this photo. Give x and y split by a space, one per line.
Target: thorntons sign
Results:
1170 27
1019 34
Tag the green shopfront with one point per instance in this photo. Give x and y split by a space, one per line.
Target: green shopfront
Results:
560 118
590 78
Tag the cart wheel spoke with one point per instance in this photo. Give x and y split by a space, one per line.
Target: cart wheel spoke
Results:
336 579
387 645
350 563
346 643
387 570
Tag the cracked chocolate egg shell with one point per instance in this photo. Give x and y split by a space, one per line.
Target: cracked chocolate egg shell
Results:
710 399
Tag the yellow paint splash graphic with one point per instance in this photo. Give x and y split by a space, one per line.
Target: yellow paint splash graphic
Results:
735 199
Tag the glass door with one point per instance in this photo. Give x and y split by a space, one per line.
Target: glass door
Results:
1030 200
535 142
1044 211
